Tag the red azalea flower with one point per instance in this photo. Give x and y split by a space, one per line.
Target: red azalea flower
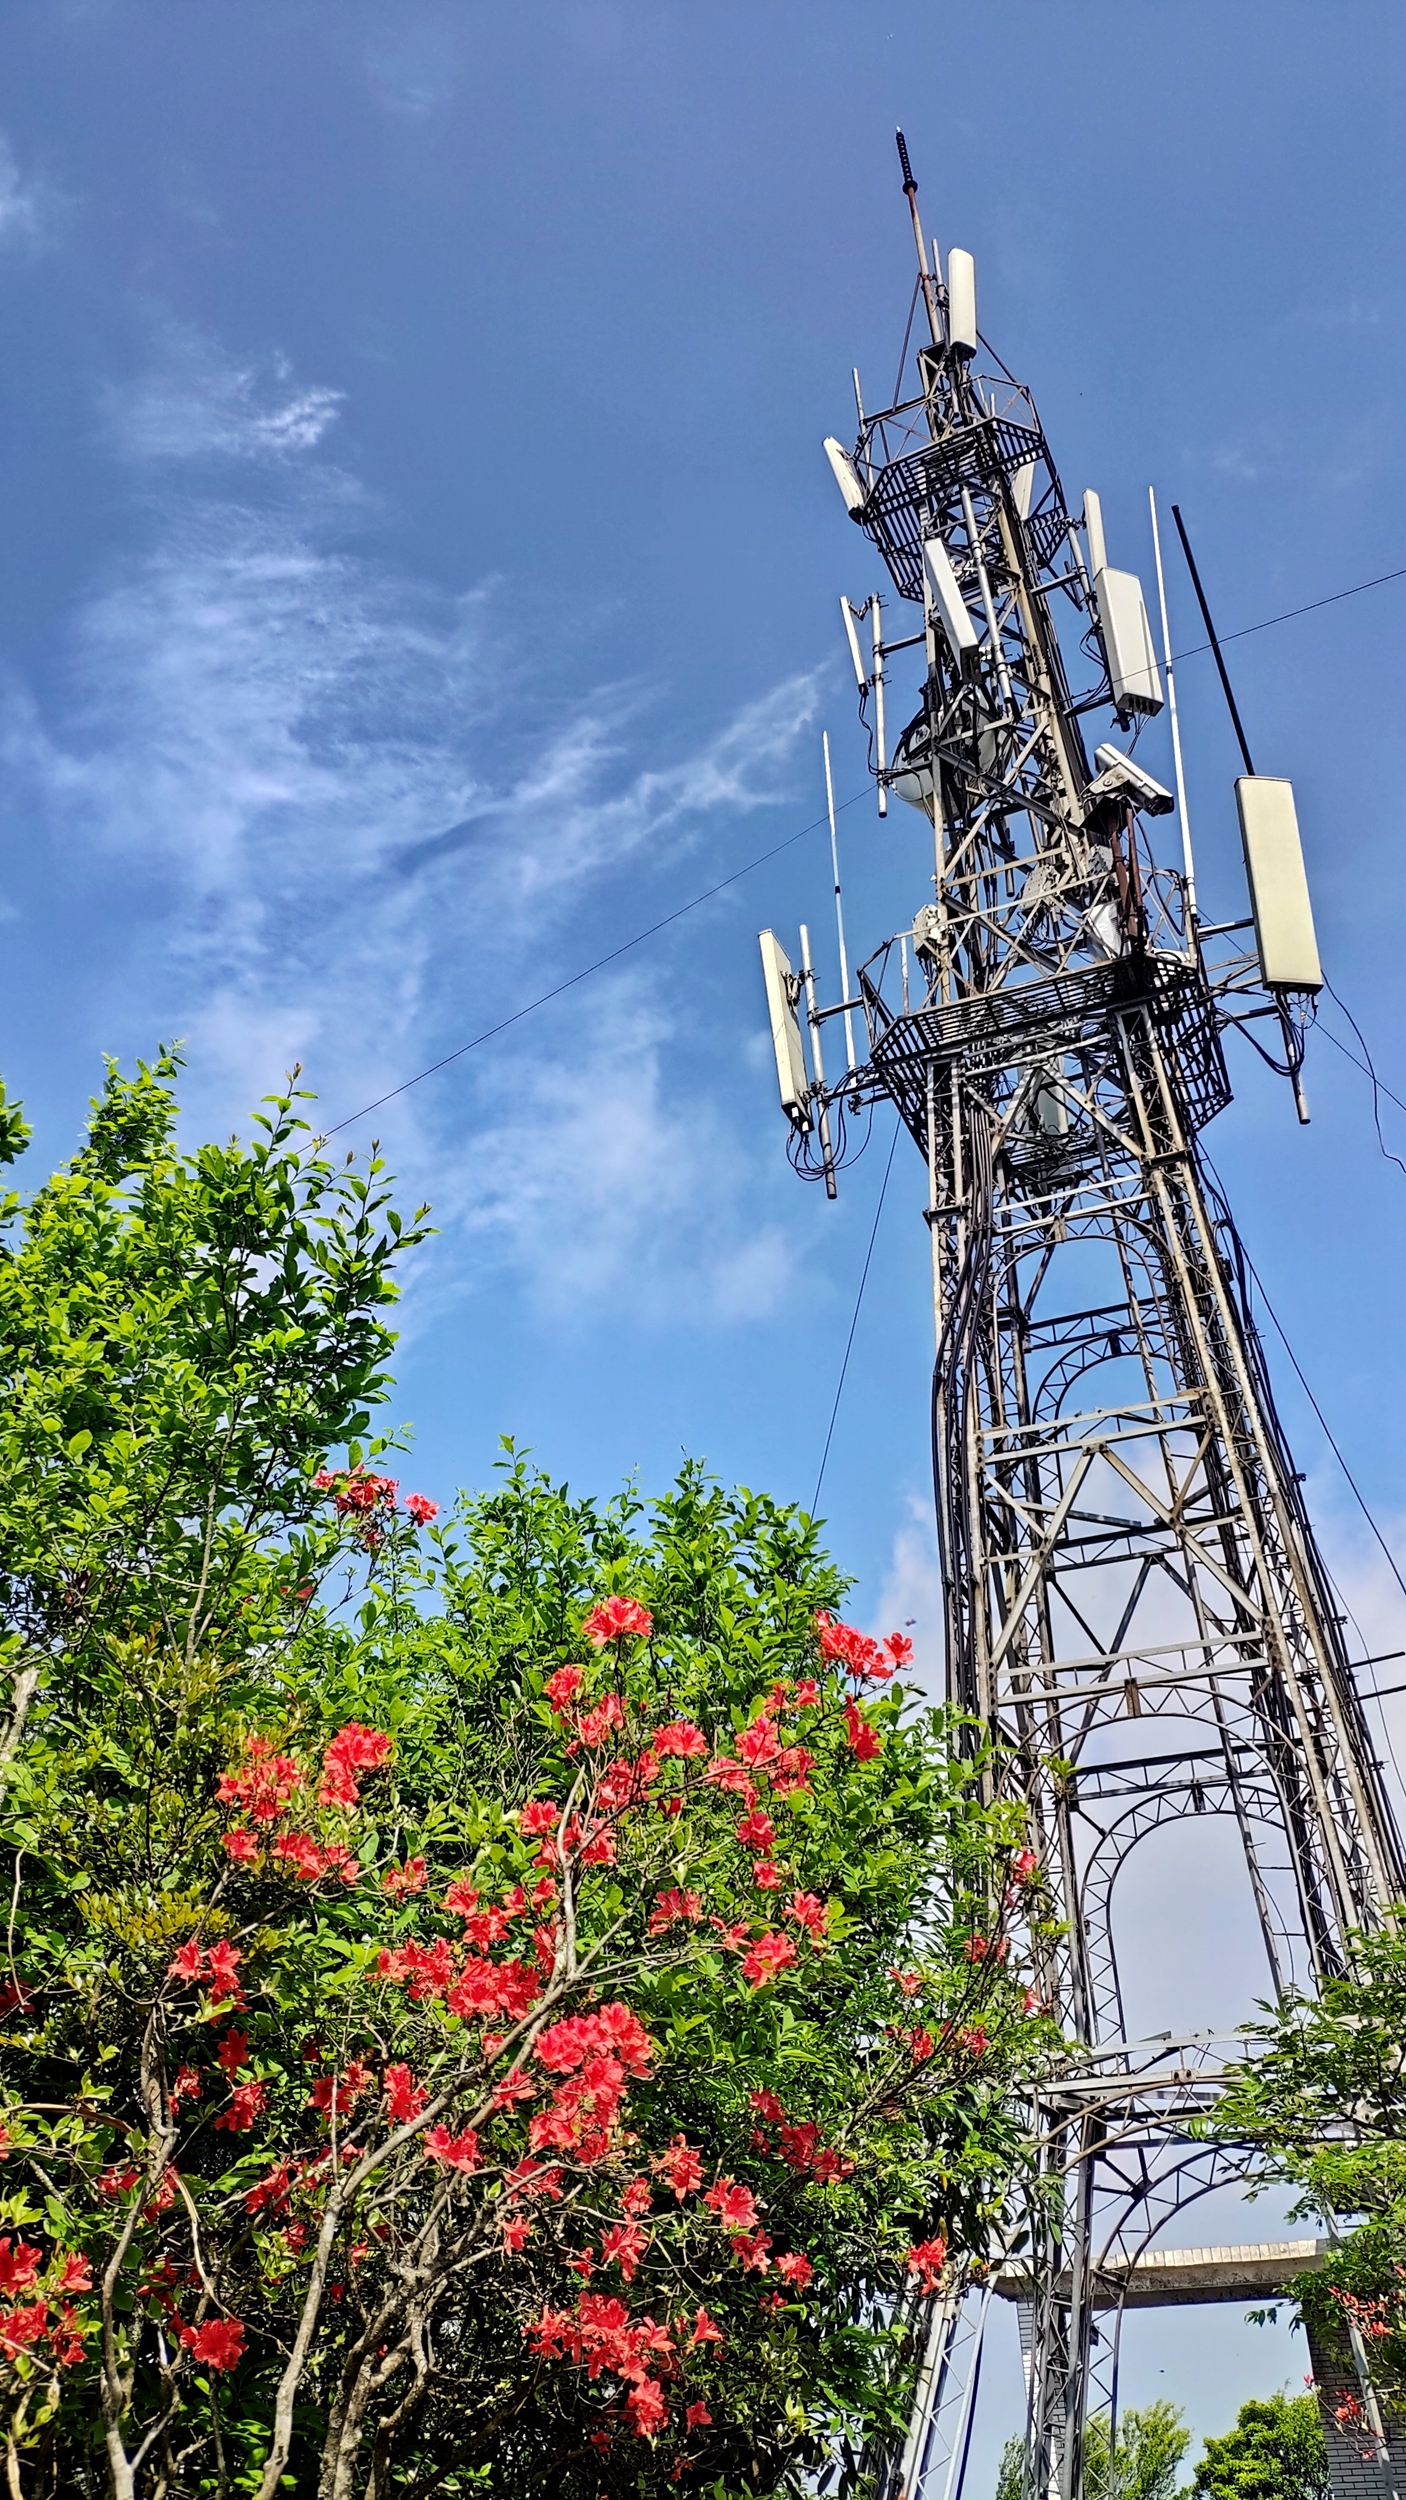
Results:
562 1688
927 2261
680 1737
697 2418
617 1619
219 2342
421 1510
767 1957
453 2152
756 1831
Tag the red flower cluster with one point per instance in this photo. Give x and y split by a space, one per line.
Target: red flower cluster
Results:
219 2343
859 1655
216 1963
263 1783
353 1750
927 2260
48 2317
617 1619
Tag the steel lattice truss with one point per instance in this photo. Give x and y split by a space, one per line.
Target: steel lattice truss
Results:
1122 1532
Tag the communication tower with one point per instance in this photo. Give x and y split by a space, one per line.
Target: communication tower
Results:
1135 1605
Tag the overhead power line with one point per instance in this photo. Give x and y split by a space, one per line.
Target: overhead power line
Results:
695 901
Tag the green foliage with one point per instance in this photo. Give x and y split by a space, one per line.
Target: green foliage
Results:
287 2056
1275 2452
1325 2099
1143 2466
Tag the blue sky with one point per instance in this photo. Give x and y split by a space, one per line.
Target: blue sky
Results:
418 574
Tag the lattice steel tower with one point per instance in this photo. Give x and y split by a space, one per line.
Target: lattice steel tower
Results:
1135 1603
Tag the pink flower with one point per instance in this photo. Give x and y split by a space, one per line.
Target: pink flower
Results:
705 2331
671 1907
411 1877
562 1688
863 1741
538 1815
765 1874
735 2207
680 1737
617 1619
77 2276
767 1957
421 1510
300 1855
453 2152
767 2105
757 1831
624 2244
596 1724
240 1845
697 2418
189 1961
219 2342
353 1749
796 2268
1023 1865
808 1912
681 2166
975 2041
927 2261
516 2230
899 1647
233 2051
807 1693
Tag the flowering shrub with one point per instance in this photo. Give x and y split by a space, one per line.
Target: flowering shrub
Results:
496 2030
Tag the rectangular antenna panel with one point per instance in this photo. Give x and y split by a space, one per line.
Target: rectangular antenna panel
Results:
947 598
1127 638
1269 831
785 1031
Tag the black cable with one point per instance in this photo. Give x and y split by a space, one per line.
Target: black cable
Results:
1357 1493
1354 1061
854 1322
1192 652
492 1031
1378 1089
1202 603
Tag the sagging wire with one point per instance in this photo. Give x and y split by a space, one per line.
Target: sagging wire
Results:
1378 1089
854 1320
1246 1266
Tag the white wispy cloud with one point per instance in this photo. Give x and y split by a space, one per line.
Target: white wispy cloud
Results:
28 207
352 850
195 403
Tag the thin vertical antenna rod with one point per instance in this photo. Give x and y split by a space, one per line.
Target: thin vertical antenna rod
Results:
1187 860
839 907
827 1156
1212 637
910 193
880 745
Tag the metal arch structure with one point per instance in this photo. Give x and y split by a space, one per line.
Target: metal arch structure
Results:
1122 1532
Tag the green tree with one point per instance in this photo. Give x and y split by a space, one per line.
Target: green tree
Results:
1324 2098
505 2004
1275 2452
1152 2440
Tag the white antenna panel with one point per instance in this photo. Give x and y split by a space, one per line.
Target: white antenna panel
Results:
1023 488
847 477
1093 531
945 595
785 1031
1284 932
1127 638
961 301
